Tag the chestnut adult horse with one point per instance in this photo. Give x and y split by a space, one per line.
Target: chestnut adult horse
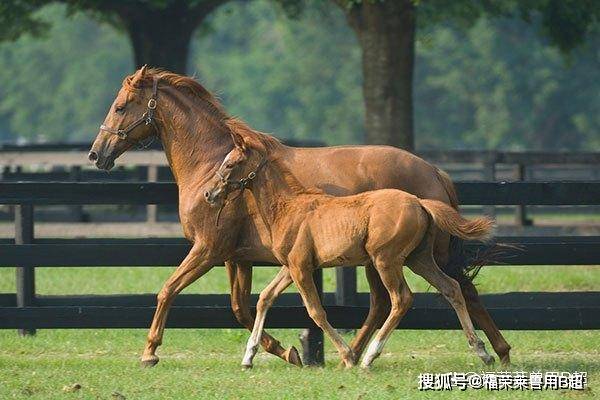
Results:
195 133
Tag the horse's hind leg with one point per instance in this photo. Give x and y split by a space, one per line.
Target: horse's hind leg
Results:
476 309
240 279
265 301
424 265
379 308
401 299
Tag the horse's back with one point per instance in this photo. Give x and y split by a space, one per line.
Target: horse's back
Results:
346 170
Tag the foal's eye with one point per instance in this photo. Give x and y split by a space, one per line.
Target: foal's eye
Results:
120 109
229 165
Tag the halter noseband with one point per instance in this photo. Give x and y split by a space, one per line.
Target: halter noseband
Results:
147 118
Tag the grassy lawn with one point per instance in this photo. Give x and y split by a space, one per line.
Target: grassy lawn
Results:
205 363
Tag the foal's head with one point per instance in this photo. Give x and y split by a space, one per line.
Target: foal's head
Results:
236 172
130 120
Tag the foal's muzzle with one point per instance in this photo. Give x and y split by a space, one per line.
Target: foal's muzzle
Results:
213 197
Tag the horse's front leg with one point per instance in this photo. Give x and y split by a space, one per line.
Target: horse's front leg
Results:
195 264
240 278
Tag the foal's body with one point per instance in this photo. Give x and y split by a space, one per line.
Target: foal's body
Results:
313 230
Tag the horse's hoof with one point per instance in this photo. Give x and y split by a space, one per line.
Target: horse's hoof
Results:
505 360
246 367
149 361
292 356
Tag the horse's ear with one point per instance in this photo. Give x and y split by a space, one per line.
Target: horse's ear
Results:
139 75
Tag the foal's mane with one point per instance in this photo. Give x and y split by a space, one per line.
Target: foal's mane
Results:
265 145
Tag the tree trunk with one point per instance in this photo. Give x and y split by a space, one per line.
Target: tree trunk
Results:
165 47
161 37
386 32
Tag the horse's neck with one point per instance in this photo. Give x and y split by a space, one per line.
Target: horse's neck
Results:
194 143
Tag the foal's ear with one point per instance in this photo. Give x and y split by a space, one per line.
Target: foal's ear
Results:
238 140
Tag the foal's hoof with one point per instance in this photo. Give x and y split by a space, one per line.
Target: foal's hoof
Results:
149 361
505 360
246 367
487 359
291 355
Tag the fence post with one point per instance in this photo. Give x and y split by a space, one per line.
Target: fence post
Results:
521 210
152 209
345 286
489 175
25 273
312 338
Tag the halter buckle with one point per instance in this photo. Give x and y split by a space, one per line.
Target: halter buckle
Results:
122 134
152 104
251 175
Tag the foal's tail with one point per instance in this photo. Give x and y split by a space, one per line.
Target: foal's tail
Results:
450 221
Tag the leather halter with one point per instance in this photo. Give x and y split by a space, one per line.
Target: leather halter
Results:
239 184
147 118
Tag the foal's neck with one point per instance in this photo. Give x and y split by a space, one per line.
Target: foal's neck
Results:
194 139
275 195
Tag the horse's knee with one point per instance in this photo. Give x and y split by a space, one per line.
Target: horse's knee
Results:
407 298
164 295
317 314
242 315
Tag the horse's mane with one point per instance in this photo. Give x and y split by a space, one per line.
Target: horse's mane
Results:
186 84
263 143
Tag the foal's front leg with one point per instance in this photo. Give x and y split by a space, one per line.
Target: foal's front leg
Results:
195 264
303 278
265 301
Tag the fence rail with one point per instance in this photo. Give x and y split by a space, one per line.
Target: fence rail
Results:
346 308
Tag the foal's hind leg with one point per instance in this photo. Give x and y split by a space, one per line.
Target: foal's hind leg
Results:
265 301
379 308
424 265
240 279
401 299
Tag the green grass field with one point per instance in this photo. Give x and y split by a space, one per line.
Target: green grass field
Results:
203 364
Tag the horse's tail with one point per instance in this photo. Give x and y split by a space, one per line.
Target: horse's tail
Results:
446 182
450 221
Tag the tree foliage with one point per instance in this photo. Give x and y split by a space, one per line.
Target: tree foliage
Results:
492 84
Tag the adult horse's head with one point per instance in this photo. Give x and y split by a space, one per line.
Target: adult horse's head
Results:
130 119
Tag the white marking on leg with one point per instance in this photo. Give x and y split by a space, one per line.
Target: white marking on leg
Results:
373 351
253 341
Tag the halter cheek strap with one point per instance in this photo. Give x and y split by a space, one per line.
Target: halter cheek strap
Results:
147 118
241 185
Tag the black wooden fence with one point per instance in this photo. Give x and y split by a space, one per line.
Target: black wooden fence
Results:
346 308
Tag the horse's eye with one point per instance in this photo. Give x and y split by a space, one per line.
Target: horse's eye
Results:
120 109
229 165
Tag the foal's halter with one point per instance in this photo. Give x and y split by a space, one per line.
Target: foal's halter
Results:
147 118
239 184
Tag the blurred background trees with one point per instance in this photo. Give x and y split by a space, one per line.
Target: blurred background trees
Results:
479 82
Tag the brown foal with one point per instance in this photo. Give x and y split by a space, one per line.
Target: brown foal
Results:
310 229
194 130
